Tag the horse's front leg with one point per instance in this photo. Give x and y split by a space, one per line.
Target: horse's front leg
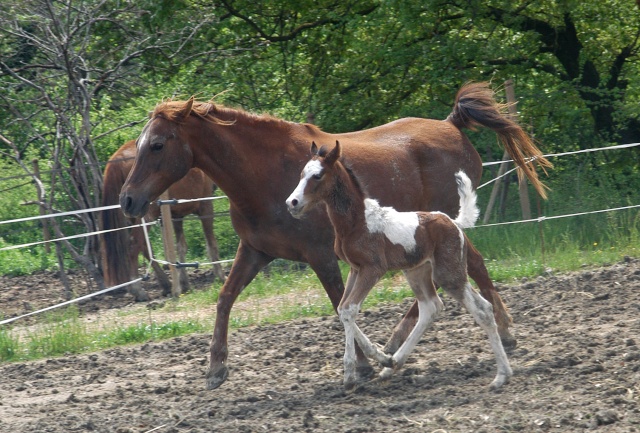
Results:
136 246
429 305
246 265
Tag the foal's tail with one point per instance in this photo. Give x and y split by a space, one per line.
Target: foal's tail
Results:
469 212
475 105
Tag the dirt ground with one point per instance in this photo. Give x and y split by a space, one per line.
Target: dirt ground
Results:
576 368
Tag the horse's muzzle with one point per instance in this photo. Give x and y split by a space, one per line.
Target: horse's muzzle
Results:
131 207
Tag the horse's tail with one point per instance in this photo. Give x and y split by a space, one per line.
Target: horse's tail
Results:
475 105
114 245
469 212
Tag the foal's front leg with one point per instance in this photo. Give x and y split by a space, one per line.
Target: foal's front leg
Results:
359 283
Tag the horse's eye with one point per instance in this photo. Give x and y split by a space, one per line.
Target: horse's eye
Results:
156 146
317 176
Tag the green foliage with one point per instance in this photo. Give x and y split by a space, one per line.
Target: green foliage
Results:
352 64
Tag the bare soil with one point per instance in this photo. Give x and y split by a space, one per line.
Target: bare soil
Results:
577 368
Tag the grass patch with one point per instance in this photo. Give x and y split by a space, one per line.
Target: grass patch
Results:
64 333
289 291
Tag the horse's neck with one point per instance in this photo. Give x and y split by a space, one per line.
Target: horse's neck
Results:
240 157
345 206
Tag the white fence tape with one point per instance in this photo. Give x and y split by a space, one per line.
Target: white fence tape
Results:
173 201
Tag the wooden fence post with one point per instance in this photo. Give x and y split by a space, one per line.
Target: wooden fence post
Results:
168 240
46 235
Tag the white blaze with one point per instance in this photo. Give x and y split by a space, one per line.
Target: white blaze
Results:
312 168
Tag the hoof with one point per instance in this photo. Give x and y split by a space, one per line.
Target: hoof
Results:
509 342
141 296
349 385
364 373
497 383
386 373
500 380
388 362
217 378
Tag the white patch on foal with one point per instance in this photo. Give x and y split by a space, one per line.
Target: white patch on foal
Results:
398 227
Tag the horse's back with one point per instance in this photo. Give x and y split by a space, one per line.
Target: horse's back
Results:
410 163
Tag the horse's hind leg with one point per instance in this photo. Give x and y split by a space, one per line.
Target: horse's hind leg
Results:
137 245
429 306
478 272
482 312
178 229
206 218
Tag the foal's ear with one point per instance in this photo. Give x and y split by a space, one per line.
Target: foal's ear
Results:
314 148
333 156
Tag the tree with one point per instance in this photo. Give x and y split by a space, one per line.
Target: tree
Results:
62 61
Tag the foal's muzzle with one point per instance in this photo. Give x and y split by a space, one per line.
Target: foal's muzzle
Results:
295 208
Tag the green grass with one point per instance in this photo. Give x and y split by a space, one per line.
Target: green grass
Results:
64 332
286 292
562 245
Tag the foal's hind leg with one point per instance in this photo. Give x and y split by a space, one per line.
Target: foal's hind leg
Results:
429 305
482 312
478 272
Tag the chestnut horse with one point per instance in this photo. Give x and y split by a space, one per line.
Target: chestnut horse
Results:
408 164
120 249
427 246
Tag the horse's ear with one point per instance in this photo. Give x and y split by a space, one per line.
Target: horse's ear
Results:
186 110
333 155
314 148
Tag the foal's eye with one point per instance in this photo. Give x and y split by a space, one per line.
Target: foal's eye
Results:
156 146
317 176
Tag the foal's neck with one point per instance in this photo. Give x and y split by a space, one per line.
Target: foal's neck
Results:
345 203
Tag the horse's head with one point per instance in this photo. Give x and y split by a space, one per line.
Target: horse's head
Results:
315 180
163 157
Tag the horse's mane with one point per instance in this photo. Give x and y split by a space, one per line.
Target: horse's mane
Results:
174 111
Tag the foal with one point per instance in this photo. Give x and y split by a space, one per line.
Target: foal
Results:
373 239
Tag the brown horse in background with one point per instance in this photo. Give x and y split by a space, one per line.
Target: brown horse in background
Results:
408 164
120 249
